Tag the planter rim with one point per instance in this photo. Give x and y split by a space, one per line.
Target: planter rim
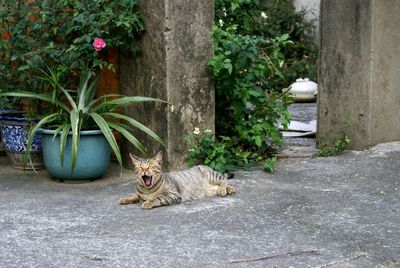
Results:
11 112
82 133
4 119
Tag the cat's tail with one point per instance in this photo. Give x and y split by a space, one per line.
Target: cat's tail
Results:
229 175
215 177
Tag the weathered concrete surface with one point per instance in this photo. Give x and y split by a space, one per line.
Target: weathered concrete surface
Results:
305 146
358 77
346 207
303 112
312 9
172 66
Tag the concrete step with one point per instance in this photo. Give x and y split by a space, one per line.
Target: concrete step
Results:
300 144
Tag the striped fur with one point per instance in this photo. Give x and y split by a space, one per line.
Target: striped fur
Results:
155 188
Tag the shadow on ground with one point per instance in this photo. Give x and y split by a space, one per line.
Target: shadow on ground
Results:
341 211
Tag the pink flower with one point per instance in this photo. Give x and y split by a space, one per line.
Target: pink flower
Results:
99 44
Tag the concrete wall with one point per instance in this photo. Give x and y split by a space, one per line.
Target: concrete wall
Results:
359 72
175 49
312 8
385 80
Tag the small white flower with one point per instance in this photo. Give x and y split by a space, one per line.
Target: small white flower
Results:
264 15
207 130
224 11
196 131
172 108
221 22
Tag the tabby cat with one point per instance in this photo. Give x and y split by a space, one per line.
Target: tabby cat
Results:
155 188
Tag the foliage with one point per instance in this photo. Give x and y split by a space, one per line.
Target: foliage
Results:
269 164
39 33
269 19
205 149
6 103
260 47
76 110
301 57
339 146
247 103
220 155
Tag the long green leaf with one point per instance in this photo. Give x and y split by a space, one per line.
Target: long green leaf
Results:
75 123
51 75
82 92
56 132
53 78
82 79
102 98
124 101
63 141
43 97
108 135
136 124
91 90
32 132
121 128
68 96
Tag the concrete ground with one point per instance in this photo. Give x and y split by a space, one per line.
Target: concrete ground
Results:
341 211
294 147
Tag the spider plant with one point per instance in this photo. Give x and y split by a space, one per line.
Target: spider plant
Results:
75 110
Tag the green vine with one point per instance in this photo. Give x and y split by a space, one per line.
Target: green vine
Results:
259 49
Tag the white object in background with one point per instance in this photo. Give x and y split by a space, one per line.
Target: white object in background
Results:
304 89
299 129
301 126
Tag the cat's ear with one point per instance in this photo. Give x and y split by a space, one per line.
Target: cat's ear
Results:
135 159
158 157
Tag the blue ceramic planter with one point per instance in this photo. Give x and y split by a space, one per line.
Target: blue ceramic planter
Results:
15 139
93 156
5 112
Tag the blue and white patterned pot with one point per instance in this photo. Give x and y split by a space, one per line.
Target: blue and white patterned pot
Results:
15 139
4 112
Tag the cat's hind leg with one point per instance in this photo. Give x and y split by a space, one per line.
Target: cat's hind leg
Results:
223 189
218 179
230 189
134 198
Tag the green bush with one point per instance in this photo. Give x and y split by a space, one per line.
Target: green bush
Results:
205 149
269 19
259 48
60 33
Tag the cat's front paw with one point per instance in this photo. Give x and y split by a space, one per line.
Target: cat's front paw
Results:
147 205
124 201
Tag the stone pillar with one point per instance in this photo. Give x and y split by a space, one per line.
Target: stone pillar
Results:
359 74
172 66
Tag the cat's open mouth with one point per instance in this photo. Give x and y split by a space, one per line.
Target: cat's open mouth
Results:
147 180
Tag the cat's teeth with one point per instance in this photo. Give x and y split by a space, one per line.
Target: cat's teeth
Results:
147 180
